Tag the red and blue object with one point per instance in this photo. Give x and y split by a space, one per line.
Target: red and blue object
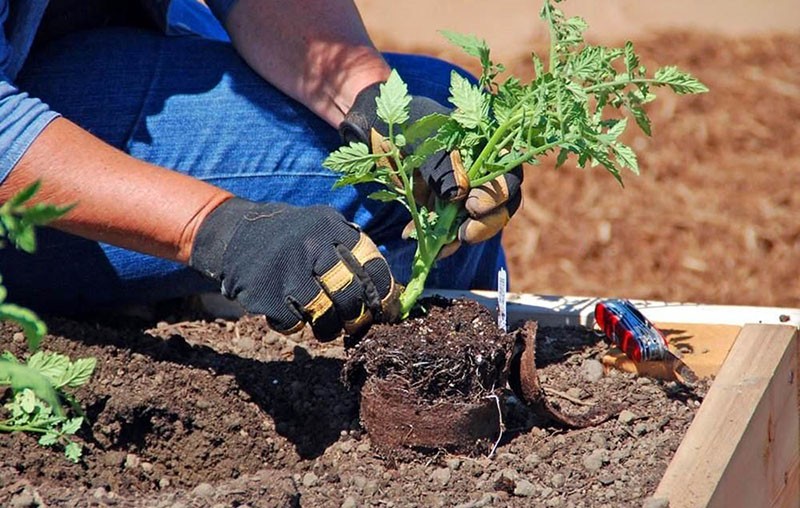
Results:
630 331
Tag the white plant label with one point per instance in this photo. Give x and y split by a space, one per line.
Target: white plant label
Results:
502 288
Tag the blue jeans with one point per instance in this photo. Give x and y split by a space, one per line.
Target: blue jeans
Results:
191 104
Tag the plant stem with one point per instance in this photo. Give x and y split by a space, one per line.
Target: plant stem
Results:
611 84
21 428
527 156
408 190
423 261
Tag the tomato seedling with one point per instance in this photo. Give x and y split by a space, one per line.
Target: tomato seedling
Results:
572 106
38 384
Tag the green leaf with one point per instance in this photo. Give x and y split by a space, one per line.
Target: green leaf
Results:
33 327
73 452
8 356
24 238
468 100
631 60
78 373
422 152
354 158
51 365
24 195
563 154
617 128
393 101
384 196
48 439
424 127
72 425
680 82
22 376
642 120
471 44
626 157
42 213
27 400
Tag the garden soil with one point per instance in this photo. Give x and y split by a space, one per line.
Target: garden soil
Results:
192 411
227 413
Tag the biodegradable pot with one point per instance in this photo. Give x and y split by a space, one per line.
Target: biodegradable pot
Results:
433 382
394 420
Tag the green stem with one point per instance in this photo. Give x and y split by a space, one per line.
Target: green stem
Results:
444 233
553 38
21 428
527 156
408 190
611 84
493 142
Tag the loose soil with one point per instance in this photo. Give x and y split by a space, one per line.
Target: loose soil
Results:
227 413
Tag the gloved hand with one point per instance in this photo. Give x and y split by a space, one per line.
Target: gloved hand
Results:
296 265
489 206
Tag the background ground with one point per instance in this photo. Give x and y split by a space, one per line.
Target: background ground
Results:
714 216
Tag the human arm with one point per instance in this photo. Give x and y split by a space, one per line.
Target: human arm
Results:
293 265
316 51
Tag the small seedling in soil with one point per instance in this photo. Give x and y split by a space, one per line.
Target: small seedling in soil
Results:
33 389
572 107
37 388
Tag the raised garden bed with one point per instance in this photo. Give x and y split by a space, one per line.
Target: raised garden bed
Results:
192 412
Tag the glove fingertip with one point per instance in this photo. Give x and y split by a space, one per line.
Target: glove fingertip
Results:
474 231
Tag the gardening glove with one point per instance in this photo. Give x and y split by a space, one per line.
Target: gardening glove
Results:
296 265
489 206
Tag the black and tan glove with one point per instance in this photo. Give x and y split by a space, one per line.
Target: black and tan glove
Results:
489 206
296 265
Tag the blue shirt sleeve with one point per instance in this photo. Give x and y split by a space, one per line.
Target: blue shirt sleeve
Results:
22 117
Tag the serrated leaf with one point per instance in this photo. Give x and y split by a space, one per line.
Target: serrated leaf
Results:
48 439
586 63
469 101
24 195
27 400
680 82
642 120
33 327
51 365
631 60
72 425
424 127
24 238
78 373
73 451
383 196
538 65
348 180
42 213
394 100
615 131
21 377
354 158
423 151
626 157
471 44
563 154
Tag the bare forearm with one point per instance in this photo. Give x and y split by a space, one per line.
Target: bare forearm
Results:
120 200
316 51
